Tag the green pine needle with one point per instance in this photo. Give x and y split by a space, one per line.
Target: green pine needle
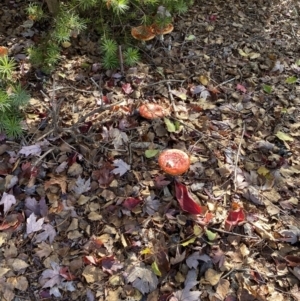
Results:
7 66
19 96
131 56
12 126
109 47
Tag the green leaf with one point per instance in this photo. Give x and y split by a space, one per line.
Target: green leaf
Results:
150 153
298 63
291 80
263 171
155 269
188 242
170 125
267 89
284 137
191 37
210 235
197 230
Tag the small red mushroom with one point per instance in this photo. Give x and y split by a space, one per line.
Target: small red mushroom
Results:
152 111
143 33
174 162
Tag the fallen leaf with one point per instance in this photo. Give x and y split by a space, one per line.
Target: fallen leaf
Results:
34 225
143 279
43 250
131 203
291 80
234 218
267 89
283 136
192 260
170 125
212 276
186 294
241 88
48 233
19 264
7 200
81 186
31 150
203 80
150 153
127 88
121 167
185 201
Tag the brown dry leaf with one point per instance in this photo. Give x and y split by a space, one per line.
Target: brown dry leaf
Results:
19 283
73 225
178 257
212 276
43 250
222 288
114 295
244 250
58 180
3 271
94 216
18 264
11 250
92 274
7 290
75 170
263 230
3 238
272 195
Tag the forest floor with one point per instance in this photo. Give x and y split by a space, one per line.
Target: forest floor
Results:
86 212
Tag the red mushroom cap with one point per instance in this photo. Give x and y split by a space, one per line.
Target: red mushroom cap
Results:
174 162
143 33
152 111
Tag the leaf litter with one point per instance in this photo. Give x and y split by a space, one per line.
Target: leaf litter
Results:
91 216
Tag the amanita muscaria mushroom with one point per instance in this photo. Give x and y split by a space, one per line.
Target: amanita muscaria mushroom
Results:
152 111
3 51
174 162
143 33
162 30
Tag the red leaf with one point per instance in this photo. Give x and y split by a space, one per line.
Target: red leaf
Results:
65 273
186 202
233 218
241 88
85 127
212 18
127 88
90 260
130 203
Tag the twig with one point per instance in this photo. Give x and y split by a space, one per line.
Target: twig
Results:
68 88
43 156
226 82
237 157
121 60
172 99
165 81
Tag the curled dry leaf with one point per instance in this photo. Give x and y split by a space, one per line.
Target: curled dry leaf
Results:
234 218
185 200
